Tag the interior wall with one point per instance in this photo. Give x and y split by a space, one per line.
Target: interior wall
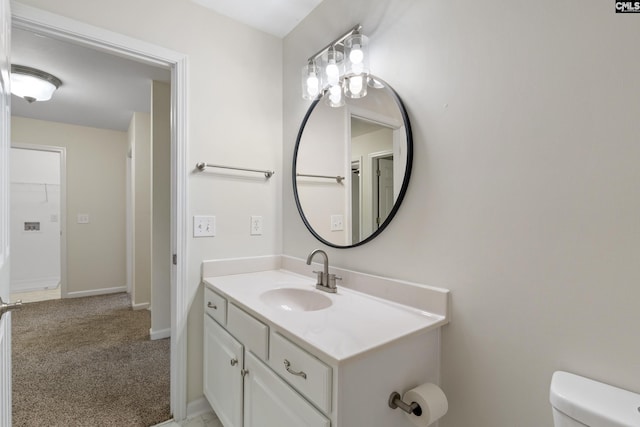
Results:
96 170
524 198
139 139
161 228
235 118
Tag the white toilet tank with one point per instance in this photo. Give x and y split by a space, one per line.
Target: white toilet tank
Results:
579 401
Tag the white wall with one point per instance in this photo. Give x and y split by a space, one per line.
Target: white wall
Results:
524 199
235 118
35 197
95 160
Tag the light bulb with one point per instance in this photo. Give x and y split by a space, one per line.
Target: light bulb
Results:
355 84
333 73
356 55
313 85
335 93
334 96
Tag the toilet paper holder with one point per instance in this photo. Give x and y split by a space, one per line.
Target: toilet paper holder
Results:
395 401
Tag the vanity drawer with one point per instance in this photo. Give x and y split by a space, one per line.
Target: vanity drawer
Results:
215 306
249 331
304 372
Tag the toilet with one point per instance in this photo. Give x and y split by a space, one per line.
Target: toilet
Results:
577 401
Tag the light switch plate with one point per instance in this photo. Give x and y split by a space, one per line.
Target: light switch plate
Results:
204 226
83 218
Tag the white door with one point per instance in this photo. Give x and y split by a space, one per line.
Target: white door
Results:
5 117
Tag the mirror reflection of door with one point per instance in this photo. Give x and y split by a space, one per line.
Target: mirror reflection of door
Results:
384 188
356 209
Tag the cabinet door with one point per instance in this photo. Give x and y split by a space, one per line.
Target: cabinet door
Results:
223 361
270 402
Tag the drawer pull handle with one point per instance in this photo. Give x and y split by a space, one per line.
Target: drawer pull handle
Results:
287 366
211 305
234 362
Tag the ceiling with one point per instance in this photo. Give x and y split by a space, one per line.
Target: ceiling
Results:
98 89
103 90
276 17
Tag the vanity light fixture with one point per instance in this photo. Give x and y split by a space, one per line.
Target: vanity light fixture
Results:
33 84
339 69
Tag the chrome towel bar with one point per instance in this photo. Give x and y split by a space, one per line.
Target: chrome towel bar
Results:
202 166
337 178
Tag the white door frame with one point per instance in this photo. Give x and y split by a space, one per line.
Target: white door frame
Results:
62 28
62 151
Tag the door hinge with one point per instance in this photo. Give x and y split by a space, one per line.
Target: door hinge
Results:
175 259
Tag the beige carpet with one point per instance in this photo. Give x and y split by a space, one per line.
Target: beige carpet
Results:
88 362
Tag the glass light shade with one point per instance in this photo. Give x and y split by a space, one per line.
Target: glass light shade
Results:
31 84
311 81
355 86
356 51
333 67
334 96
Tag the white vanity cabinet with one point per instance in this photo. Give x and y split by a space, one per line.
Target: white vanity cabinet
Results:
309 366
241 388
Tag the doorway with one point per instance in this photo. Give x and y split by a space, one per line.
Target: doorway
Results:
38 189
82 34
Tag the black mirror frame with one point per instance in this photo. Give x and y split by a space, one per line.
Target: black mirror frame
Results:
405 181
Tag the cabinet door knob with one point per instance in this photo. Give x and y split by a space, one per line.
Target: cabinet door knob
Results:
234 362
287 366
244 372
211 305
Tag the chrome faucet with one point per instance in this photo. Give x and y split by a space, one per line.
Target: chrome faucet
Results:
326 282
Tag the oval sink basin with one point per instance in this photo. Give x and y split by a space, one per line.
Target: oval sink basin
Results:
293 299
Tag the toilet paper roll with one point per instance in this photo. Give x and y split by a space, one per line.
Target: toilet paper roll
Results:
432 401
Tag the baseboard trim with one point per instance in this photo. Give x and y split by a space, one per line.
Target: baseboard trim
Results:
30 285
94 292
158 335
141 306
198 407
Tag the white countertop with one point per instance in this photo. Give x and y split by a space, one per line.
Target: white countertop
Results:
355 323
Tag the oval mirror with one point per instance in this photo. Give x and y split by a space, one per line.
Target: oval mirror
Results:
351 166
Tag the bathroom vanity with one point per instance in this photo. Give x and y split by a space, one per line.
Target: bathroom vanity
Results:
279 352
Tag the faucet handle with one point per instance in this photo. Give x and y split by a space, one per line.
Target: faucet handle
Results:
331 281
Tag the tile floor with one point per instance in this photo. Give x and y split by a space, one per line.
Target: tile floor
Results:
205 420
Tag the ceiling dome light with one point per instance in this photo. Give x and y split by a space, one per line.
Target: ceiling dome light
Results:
32 84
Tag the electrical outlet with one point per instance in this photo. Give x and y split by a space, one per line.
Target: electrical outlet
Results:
337 223
256 225
83 218
204 226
